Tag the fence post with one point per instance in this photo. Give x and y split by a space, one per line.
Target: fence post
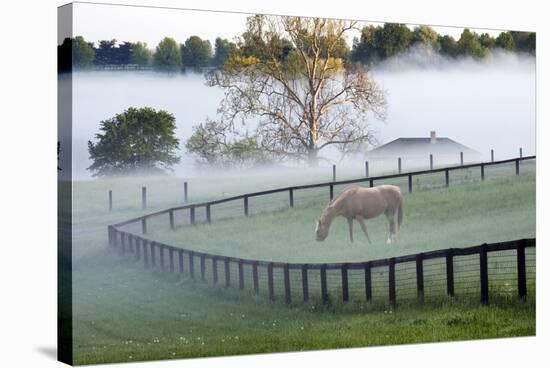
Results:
203 266
171 215
144 225
431 161
410 183
367 169
153 256
246 205
241 275
461 158
191 264
324 293
371 182
110 200
482 171
291 197
192 215
368 282
450 272
143 197
305 284
208 214
255 278
447 178
138 248
185 197
420 277
483 275
333 172
517 167
227 273
110 235
270 281
492 156
391 281
345 285
214 270
180 259
331 191
161 247
171 256
123 242
130 243
145 254
399 165
520 152
286 275
522 279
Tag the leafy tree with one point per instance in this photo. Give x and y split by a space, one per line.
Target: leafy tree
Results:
140 54
83 52
505 41
137 140
167 55
303 102
196 53
524 41
394 38
212 146
366 49
487 41
105 53
426 35
222 50
123 53
448 46
469 45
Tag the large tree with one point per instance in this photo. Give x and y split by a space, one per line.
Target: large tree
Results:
196 53
222 50
135 141
299 99
83 52
140 54
167 55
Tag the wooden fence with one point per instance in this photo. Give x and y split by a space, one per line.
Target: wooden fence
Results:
290 277
311 278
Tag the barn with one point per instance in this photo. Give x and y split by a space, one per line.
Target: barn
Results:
415 152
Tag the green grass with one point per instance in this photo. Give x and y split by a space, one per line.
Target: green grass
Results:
124 313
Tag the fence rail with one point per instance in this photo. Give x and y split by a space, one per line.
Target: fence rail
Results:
343 278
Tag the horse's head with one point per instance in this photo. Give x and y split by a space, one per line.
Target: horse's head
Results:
321 231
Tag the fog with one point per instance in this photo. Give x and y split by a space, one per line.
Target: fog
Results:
484 105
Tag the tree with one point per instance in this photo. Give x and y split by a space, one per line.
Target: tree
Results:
222 51
196 53
211 145
140 54
83 53
301 103
135 141
524 41
366 49
426 35
487 41
448 46
394 38
105 52
469 45
505 41
167 55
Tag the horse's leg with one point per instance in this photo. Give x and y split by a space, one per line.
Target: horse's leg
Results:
364 227
350 224
390 216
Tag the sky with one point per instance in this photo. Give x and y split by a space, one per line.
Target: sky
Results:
146 24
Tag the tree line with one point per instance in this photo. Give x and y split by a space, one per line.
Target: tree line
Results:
375 44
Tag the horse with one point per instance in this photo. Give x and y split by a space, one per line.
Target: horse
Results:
358 203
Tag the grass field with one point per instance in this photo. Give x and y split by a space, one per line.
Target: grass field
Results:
123 313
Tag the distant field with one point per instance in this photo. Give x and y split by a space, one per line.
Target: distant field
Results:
124 313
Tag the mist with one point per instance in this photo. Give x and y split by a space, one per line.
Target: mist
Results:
483 104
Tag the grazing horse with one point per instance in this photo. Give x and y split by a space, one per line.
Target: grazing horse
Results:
361 204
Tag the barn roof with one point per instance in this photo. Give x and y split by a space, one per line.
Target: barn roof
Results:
422 145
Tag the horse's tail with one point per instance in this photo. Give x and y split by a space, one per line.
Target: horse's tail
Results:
400 212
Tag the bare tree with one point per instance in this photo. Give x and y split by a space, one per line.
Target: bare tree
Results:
287 76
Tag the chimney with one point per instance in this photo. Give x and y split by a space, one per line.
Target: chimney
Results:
433 138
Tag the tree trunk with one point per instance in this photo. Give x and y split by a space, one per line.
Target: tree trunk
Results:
313 160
